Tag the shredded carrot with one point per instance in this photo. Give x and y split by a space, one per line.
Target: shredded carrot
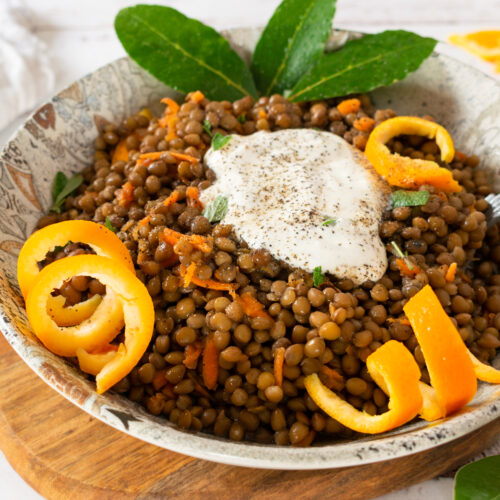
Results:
349 106
168 390
196 96
159 380
210 368
251 306
172 106
332 378
172 198
188 275
307 441
279 359
401 321
193 195
262 114
202 243
405 270
121 152
364 124
192 353
170 118
211 284
126 195
450 274
184 157
460 156
145 220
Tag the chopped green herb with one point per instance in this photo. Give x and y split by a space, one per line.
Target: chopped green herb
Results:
216 211
329 220
219 141
110 226
402 255
207 127
63 192
60 181
242 118
402 198
318 276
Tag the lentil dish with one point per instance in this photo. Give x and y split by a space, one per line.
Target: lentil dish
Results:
247 402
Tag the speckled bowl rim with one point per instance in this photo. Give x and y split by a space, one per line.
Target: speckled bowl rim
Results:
120 413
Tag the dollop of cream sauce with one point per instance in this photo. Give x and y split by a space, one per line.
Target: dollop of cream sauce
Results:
282 186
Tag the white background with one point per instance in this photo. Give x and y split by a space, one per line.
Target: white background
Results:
80 38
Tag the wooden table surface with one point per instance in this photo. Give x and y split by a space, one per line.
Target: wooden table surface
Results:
79 36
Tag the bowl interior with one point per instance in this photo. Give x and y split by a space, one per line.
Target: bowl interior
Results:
59 136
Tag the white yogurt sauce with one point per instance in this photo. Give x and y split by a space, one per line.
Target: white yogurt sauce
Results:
281 187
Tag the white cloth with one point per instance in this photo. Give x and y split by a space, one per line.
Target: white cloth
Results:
26 74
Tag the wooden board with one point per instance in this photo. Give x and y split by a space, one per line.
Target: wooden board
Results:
64 453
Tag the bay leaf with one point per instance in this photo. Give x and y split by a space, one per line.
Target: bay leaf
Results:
363 65
291 43
183 53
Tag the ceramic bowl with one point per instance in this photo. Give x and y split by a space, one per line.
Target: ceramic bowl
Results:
59 136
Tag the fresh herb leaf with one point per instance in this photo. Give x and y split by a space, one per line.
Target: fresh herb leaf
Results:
60 181
479 480
109 225
402 255
219 141
71 184
242 118
291 43
207 127
402 198
329 220
183 53
364 64
217 210
318 276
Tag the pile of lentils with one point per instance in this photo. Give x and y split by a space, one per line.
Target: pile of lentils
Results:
247 403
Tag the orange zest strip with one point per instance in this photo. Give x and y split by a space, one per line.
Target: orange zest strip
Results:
126 195
279 359
349 106
121 152
364 124
251 306
484 372
196 96
211 284
332 378
193 195
450 274
192 353
411 173
447 358
210 364
394 369
188 275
